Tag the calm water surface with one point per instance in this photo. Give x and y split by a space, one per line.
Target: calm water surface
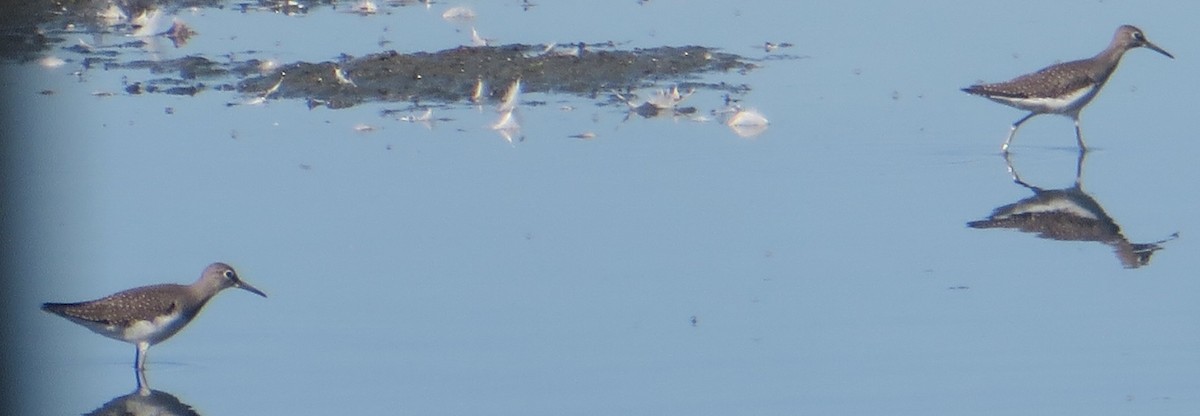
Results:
665 266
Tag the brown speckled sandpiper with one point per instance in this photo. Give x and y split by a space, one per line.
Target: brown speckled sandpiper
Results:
1064 88
148 315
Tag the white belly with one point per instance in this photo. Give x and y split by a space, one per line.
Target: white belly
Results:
1067 104
1062 205
153 331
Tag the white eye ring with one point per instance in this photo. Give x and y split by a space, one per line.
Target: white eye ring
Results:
229 275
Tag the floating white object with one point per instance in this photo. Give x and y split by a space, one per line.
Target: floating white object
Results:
147 23
425 117
747 118
112 15
747 123
664 98
342 78
51 62
461 13
477 40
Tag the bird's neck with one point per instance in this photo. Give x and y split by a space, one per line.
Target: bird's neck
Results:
1106 62
202 291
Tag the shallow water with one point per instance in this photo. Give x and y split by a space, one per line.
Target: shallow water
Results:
665 266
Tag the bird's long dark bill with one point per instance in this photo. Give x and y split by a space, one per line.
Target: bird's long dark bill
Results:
1159 50
251 289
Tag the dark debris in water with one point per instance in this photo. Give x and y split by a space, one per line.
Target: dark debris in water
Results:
446 76
596 70
188 67
451 75
190 70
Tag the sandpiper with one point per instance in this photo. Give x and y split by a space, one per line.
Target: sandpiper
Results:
1068 214
1064 88
148 315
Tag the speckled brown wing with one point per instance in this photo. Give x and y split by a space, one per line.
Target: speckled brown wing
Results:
1053 81
122 308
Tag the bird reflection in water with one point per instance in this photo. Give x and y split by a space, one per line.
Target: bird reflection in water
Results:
1069 215
144 401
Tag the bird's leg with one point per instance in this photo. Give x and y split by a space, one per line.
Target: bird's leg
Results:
1079 169
140 358
1013 132
1012 171
1079 135
143 386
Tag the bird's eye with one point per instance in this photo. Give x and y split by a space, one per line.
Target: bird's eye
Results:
1138 36
229 275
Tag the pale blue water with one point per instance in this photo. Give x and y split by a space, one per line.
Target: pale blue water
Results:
663 267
